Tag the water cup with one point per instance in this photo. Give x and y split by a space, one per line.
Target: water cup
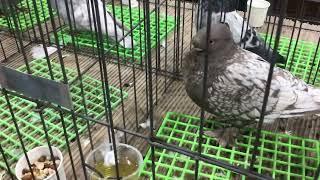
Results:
259 9
130 162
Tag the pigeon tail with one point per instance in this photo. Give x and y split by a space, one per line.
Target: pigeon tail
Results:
307 103
121 30
315 93
266 53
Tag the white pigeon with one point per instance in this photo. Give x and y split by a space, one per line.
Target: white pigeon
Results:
236 83
82 19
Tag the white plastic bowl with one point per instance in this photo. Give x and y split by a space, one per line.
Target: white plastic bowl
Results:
97 155
34 155
259 10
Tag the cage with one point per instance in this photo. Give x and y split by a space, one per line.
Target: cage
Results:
68 85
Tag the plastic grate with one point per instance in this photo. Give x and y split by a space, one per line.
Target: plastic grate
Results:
280 156
87 39
304 58
26 17
29 121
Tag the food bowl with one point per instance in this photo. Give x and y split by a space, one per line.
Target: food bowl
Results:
34 155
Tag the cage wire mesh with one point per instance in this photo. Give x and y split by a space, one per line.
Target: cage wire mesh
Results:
122 64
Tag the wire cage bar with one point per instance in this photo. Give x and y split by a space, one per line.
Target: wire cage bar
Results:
123 62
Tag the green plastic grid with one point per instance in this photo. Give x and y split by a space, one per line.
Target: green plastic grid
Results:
28 18
281 156
84 39
302 59
30 124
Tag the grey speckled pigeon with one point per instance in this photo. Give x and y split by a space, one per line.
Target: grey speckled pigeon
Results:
250 38
237 81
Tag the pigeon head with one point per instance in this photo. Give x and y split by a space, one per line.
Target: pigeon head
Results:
220 38
220 5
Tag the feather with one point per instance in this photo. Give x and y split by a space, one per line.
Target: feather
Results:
38 52
83 19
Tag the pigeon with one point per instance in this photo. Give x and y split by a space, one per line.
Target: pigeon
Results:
5 4
236 83
250 40
82 19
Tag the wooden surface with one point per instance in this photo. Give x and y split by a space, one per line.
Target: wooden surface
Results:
174 99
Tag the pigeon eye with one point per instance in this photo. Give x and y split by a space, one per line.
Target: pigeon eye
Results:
211 41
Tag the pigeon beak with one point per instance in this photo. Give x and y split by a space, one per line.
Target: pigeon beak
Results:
198 49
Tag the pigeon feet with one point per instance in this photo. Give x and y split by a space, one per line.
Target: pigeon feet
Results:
224 136
75 33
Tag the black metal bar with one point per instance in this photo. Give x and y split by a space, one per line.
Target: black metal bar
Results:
6 162
118 65
267 90
249 14
32 23
104 68
295 47
166 49
56 38
42 40
67 143
146 57
4 91
266 36
133 70
78 66
158 52
290 43
299 12
75 126
45 130
44 18
3 51
19 35
183 22
313 64
149 70
204 86
271 35
176 69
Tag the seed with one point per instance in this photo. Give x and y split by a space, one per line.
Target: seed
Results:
27 176
25 171
42 159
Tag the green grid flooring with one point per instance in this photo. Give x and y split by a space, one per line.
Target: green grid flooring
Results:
30 124
84 39
27 19
302 59
280 156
